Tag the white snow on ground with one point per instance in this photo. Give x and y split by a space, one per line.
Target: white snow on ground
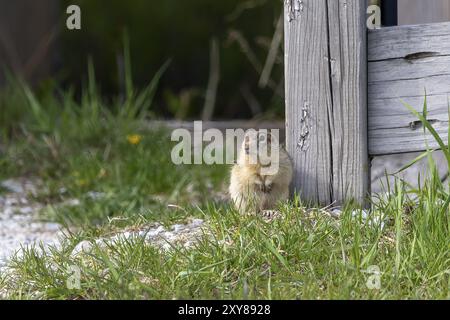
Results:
19 224
184 235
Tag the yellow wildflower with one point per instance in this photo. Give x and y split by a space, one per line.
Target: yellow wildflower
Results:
134 139
81 182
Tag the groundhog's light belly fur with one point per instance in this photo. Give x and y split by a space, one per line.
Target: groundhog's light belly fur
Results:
248 199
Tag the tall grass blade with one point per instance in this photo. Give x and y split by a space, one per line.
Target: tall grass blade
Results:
414 161
128 71
145 99
433 132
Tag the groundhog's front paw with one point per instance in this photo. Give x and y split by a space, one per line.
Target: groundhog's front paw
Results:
265 188
270 215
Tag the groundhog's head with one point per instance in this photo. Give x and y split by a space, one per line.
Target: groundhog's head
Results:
255 141
260 147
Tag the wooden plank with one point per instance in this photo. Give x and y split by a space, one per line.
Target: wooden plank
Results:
404 63
400 140
326 101
401 41
416 69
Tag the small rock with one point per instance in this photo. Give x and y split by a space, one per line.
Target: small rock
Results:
151 233
94 195
83 246
71 203
52 227
178 227
197 222
13 185
365 215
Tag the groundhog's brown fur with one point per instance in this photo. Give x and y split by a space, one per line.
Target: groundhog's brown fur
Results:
251 190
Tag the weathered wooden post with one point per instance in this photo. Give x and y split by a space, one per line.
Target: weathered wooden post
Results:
326 99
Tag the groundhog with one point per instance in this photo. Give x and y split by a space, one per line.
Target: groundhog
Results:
255 187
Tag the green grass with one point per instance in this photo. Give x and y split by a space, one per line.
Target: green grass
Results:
84 146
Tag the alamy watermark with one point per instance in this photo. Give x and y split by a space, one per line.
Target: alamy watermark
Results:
374 19
73 21
374 279
212 146
73 281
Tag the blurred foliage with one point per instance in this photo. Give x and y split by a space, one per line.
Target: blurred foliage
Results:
180 31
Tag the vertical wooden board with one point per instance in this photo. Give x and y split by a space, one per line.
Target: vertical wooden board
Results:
308 98
326 98
348 65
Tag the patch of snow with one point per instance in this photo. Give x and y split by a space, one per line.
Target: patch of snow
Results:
19 186
19 223
185 235
372 218
71 203
95 195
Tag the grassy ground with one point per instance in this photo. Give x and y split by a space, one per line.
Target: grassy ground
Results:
76 148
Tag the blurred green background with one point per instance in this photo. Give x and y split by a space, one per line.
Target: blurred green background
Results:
158 31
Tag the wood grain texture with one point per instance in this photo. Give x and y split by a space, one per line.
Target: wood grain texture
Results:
398 42
326 101
404 63
308 98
